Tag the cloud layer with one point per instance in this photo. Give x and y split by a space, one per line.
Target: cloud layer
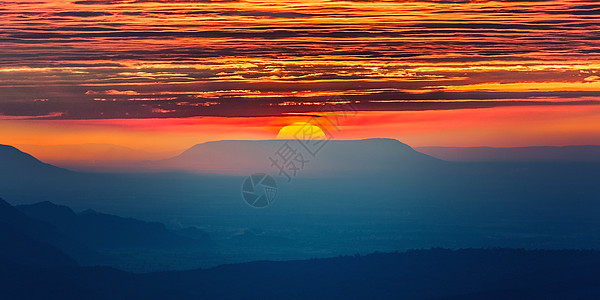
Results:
148 59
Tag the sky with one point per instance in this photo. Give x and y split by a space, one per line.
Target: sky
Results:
165 75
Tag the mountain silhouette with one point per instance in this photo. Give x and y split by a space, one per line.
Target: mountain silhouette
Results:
21 173
390 197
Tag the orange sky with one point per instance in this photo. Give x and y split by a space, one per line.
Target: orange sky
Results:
502 126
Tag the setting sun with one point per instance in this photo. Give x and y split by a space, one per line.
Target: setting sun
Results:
301 130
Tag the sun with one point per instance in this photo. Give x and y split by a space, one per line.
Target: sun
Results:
301 130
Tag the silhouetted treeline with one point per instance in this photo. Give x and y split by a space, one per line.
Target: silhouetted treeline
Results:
418 274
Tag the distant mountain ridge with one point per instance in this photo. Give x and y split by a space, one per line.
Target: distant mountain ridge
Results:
239 157
92 157
589 153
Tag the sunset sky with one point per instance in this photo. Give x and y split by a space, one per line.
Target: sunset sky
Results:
165 75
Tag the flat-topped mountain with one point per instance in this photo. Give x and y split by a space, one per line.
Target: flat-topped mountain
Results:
333 157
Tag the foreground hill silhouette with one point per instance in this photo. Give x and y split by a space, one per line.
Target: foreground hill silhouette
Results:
27 231
420 274
44 233
99 230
